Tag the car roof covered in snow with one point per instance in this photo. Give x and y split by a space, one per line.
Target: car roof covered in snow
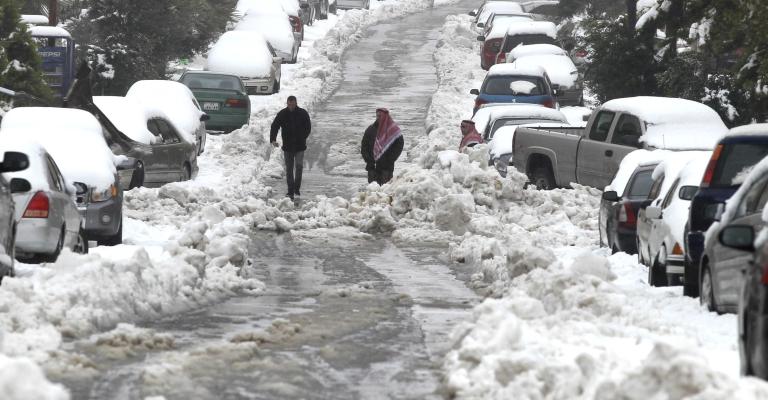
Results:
672 123
35 173
242 53
750 130
532 28
630 162
290 7
276 30
536 49
560 68
511 69
484 115
171 100
129 116
44 30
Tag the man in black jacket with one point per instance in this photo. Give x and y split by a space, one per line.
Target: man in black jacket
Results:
294 125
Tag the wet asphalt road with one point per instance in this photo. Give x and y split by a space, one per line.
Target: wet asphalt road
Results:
340 318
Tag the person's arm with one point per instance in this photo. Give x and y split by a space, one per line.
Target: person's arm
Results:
308 123
366 148
275 127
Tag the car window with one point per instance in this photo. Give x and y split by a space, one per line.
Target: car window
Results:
736 161
656 188
212 81
152 126
628 131
640 186
751 202
670 194
601 126
510 42
514 86
54 182
57 174
166 131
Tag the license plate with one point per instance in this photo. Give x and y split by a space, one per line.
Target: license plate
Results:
209 106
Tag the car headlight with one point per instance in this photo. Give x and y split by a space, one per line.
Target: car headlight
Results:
104 195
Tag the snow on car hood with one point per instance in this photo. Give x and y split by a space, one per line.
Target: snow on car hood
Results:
560 68
241 53
275 27
67 134
172 100
127 115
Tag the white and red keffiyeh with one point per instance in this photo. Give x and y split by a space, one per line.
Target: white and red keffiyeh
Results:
387 133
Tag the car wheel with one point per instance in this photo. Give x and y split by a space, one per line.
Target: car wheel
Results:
81 246
690 286
137 180
115 239
707 297
657 275
187 173
746 346
542 178
51 258
276 89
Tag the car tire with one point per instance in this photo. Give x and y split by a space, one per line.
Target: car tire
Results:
115 239
186 173
690 286
542 179
746 347
707 291
657 276
51 258
137 180
276 89
81 247
332 8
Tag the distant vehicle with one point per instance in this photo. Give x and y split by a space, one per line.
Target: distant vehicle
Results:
11 162
47 217
223 97
67 135
506 83
290 7
57 51
494 32
178 103
483 13
734 155
148 135
248 55
559 66
274 26
661 225
503 19
526 33
591 156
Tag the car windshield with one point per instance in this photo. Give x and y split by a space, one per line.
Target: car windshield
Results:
640 187
514 85
736 161
513 41
207 81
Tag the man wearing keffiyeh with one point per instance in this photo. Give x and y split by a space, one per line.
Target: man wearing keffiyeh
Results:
469 135
381 146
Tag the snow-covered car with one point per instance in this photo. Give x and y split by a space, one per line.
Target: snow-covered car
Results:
565 78
349 4
248 55
506 83
499 7
149 136
11 162
178 103
526 33
222 97
274 26
47 219
661 225
67 135
290 7
534 50
503 19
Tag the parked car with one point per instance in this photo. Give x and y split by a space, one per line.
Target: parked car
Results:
290 7
47 219
734 155
349 4
149 136
623 198
661 225
502 38
222 96
248 55
506 83
490 7
67 135
591 156
12 162
561 70
503 19
276 28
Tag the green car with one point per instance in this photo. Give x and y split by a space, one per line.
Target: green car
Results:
222 97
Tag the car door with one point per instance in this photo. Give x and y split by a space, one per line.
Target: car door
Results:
592 152
158 168
644 224
64 202
660 228
729 262
173 148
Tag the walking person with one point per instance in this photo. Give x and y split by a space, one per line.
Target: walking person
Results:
381 146
469 135
295 126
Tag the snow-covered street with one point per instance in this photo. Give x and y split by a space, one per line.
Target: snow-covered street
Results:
448 282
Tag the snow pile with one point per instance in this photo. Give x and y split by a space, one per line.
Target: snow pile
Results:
274 26
22 379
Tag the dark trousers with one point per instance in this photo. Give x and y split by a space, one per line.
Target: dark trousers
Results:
381 176
293 162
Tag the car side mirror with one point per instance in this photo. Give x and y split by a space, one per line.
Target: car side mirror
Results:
739 237
124 164
14 161
205 117
611 196
481 38
556 86
20 185
480 25
475 92
555 92
653 212
687 192
473 13
585 117
80 188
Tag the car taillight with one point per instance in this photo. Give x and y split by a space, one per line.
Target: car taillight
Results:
235 103
295 23
479 102
627 215
764 280
501 58
549 103
709 173
581 53
38 206
677 250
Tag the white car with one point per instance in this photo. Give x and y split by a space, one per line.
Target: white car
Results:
47 216
274 26
179 105
289 7
248 55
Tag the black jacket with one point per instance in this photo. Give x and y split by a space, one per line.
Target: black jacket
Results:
294 129
387 160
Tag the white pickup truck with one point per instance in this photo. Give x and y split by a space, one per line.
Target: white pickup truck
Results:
556 157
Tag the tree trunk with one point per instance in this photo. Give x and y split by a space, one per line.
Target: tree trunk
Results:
631 17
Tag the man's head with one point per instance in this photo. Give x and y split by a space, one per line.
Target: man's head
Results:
467 126
292 103
381 113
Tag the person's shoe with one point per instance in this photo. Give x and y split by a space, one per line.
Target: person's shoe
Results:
289 195
297 194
